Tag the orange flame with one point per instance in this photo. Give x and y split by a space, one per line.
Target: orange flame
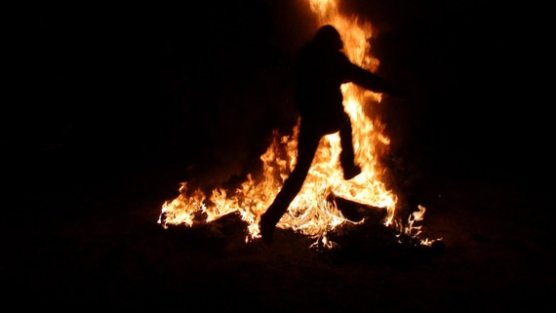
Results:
310 213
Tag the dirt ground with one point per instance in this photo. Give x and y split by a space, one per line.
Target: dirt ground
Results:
72 243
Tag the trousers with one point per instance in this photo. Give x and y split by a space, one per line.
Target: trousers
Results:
310 134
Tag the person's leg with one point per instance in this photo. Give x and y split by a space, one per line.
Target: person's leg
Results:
308 141
347 156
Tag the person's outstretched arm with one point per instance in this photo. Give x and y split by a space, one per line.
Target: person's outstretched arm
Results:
370 81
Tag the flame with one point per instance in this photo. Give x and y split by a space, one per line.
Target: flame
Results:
311 213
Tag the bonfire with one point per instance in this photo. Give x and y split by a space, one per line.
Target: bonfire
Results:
314 212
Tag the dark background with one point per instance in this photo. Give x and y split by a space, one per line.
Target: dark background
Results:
120 81
115 105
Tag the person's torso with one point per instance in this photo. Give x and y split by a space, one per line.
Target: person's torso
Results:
319 77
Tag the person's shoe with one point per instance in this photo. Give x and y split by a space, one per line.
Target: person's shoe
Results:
352 172
267 230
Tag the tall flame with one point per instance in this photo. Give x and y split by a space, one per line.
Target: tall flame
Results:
312 212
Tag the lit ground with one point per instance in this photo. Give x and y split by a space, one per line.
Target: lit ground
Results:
96 243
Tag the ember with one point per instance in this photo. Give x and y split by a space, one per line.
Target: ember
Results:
313 212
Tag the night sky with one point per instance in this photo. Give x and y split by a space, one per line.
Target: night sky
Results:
121 82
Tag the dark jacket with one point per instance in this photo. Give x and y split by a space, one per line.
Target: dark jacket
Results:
320 73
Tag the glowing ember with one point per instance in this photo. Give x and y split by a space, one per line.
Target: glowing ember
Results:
310 213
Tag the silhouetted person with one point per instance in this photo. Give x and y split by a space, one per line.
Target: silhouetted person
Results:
321 69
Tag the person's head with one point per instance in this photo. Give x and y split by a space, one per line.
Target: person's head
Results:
328 37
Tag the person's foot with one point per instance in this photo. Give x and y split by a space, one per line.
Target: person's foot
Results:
352 172
267 230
